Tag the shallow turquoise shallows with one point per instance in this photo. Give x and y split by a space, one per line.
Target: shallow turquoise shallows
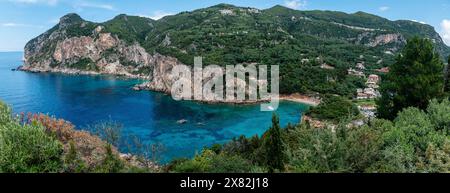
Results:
152 117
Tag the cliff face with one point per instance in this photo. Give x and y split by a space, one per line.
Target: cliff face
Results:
94 52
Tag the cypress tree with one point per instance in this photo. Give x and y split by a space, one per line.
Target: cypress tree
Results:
415 78
274 147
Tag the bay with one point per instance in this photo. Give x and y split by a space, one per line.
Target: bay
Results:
150 116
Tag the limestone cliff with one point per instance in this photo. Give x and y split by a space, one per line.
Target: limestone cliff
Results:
94 52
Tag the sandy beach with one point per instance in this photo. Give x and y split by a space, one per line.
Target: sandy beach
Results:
301 99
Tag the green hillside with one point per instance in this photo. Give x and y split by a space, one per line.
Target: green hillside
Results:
299 41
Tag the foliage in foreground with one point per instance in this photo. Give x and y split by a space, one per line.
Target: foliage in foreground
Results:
27 148
41 144
334 108
416 141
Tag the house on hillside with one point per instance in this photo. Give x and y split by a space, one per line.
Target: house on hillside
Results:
369 111
372 81
367 93
226 12
383 70
354 72
360 66
326 66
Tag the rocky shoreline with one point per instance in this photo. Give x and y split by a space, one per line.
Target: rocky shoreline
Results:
69 71
139 87
146 86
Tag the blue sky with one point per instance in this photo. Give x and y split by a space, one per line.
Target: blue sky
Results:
21 20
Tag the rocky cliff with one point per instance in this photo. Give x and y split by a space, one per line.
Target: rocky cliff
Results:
94 52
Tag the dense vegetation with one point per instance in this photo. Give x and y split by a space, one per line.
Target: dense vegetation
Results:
38 144
299 41
416 141
333 108
413 138
416 77
447 79
27 148
130 28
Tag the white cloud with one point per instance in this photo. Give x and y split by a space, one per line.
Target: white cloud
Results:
384 8
83 4
48 2
157 15
295 4
12 24
445 31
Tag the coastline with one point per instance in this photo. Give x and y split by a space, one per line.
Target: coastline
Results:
296 97
69 71
300 98
201 125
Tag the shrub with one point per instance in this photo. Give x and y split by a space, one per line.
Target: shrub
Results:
229 164
210 162
333 108
27 148
111 162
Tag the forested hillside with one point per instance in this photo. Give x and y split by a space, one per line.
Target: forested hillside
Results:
315 49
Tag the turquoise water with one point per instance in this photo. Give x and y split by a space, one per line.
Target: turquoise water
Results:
87 100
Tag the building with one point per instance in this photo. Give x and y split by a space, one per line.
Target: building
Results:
226 12
383 70
367 93
354 72
360 66
368 111
326 66
373 78
372 81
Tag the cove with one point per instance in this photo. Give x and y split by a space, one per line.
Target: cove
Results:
150 116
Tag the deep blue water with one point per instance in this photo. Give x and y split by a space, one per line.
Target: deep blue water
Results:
87 100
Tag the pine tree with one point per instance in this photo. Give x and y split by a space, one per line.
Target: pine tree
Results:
415 79
274 147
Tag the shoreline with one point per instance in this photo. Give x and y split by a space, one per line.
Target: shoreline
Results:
67 71
300 98
296 97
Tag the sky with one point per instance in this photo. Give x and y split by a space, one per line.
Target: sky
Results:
22 20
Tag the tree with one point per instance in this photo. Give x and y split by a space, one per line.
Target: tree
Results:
414 79
447 79
333 108
274 147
